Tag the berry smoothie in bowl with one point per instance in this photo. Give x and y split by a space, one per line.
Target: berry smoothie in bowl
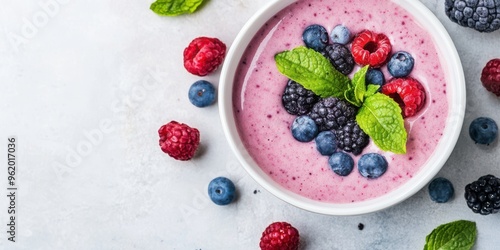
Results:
342 108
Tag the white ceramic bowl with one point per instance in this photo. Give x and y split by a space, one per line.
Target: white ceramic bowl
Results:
456 99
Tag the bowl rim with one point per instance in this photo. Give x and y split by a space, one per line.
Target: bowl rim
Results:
451 132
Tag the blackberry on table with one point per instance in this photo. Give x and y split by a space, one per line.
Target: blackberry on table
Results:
351 138
483 195
332 113
481 15
340 57
297 100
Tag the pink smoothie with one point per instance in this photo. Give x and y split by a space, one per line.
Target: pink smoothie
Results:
264 125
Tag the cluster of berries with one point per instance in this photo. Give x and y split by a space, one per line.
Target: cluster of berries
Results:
483 195
180 141
330 121
202 56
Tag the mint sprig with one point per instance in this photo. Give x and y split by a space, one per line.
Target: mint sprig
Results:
175 7
355 92
458 235
313 71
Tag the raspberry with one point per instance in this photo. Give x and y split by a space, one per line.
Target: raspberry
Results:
490 77
371 48
179 140
340 57
483 195
204 55
332 113
351 138
483 16
297 100
407 92
280 236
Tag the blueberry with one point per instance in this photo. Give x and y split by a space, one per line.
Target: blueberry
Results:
304 129
315 37
221 191
375 76
340 34
341 163
326 143
400 64
483 130
201 93
372 165
441 190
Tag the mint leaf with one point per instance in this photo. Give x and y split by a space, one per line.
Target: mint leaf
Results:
355 93
313 71
371 89
380 117
457 235
358 81
175 7
351 97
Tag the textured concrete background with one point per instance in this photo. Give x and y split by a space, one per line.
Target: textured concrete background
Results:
86 84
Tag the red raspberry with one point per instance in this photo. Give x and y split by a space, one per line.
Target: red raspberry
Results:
490 77
407 92
204 55
179 140
280 236
371 48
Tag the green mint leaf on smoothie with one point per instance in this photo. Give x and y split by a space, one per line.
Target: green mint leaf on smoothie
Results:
458 235
358 81
355 93
351 97
313 71
175 7
380 117
371 89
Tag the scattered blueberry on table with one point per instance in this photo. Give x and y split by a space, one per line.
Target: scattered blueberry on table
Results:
441 190
202 93
483 130
221 191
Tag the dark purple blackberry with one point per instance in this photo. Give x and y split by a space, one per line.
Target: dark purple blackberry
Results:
297 100
481 15
332 113
340 57
483 195
351 138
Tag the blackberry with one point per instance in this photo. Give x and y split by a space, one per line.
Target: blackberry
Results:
332 113
481 15
351 138
297 100
483 195
340 57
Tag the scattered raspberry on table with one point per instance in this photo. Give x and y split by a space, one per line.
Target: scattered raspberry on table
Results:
280 236
490 76
204 55
179 140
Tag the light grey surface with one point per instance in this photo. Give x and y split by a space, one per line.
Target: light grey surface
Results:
86 84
